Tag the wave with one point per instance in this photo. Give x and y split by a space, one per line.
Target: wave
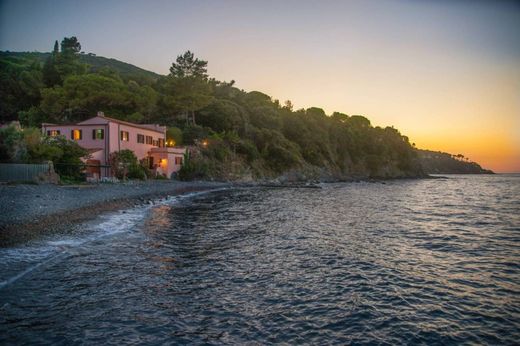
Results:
20 261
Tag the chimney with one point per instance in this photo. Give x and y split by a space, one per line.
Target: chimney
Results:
100 114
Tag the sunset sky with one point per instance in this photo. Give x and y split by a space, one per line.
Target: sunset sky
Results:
445 73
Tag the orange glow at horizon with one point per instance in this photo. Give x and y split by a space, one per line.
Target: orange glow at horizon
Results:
444 73
468 108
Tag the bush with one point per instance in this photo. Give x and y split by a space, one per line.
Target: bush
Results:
69 164
248 149
280 158
125 165
174 134
193 168
194 133
217 149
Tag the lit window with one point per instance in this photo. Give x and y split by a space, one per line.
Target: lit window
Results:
76 135
124 136
149 140
53 133
178 160
98 134
140 138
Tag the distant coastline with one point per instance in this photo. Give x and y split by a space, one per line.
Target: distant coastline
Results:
438 162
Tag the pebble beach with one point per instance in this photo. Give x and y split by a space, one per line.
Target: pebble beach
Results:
27 211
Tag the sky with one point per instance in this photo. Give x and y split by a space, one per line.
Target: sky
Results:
446 73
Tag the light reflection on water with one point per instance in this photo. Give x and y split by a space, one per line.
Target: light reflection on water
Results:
413 261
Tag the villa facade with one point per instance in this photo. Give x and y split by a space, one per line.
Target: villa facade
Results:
102 136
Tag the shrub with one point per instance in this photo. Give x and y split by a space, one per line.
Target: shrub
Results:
193 168
125 165
69 164
174 134
248 149
193 133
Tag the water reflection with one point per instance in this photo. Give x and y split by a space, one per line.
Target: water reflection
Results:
429 261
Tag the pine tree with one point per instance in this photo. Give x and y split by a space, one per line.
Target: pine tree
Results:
187 66
50 74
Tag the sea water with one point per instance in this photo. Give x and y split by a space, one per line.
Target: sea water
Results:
433 261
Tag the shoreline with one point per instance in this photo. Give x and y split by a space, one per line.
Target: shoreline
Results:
31 211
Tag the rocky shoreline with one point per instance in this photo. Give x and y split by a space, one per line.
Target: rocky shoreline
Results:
28 211
31 210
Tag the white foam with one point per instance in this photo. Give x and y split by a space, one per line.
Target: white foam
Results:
39 254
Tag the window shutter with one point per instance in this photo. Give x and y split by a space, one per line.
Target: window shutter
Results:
93 134
71 134
48 132
80 134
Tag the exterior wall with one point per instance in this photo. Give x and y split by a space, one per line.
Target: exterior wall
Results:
164 159
86 140
98 155
140 149
112 141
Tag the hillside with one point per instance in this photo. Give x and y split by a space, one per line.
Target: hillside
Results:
246 135
437 162
126 71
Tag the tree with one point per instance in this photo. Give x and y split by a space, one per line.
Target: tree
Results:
174 136
288 105
12 145
30 146
84 95
188 66
124 164
222 115
69 164
51 76
67 61
69 45
186 88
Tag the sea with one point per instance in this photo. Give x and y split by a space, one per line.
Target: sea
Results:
400 262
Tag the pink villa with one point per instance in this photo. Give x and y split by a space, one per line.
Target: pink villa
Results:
102 136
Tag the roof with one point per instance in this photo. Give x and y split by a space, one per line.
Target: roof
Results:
171 150
153 127
88 122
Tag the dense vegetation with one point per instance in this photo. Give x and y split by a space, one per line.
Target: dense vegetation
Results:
29 146
238 134
437 162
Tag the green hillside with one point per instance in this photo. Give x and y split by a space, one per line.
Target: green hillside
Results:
437 162
126 71
237 134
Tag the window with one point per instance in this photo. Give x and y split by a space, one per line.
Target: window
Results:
53 133
140 138
161 142
98 134
149 139
76 135
124 136
178 160
154 143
